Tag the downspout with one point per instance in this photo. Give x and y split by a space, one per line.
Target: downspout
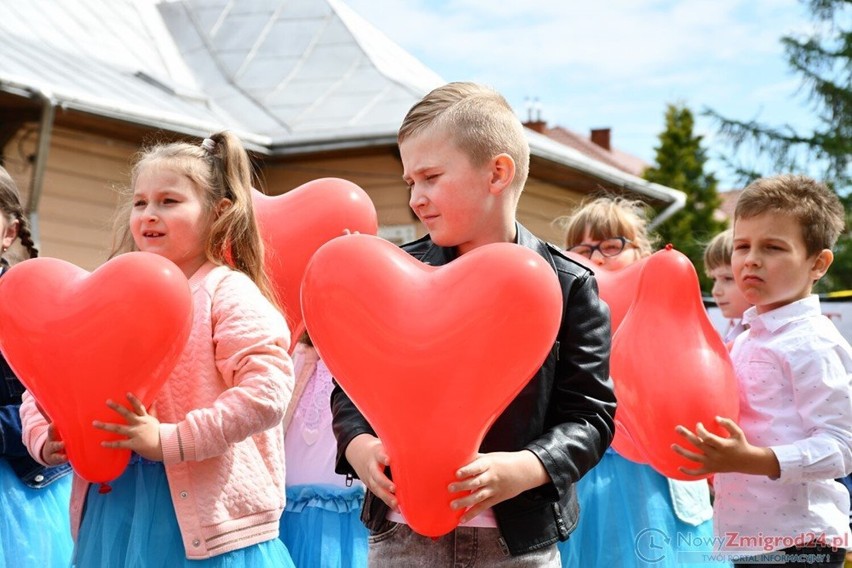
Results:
48 114
675 206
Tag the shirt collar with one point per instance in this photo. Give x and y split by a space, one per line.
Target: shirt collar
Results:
774 320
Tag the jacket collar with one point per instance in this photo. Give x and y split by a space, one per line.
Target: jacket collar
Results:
438 256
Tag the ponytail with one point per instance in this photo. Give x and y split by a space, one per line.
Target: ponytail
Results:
221 170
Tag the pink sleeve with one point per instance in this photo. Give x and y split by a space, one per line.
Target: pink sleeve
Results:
34 427
250 341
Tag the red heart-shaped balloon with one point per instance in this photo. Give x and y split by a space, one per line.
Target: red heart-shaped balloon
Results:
430 355
294 225
616 287
669 364
76 339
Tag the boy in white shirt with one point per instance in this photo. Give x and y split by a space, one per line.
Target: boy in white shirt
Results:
776 498
729 298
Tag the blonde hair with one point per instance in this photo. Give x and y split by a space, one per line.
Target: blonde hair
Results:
606 218
480 121
220 169
812 204
717 253
11 208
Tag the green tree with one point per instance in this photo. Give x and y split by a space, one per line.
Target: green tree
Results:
823 60
680 160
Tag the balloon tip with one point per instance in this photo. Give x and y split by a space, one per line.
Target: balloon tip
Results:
104 488
669 246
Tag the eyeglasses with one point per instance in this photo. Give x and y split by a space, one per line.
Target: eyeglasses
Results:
607 247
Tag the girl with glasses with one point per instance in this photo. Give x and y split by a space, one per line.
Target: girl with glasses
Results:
632 515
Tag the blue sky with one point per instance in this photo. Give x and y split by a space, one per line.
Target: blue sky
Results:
613 63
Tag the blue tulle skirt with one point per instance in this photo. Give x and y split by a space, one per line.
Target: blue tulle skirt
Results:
34 529
627 519
321 526
134 525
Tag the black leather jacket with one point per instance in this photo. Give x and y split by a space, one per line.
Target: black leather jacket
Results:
564 415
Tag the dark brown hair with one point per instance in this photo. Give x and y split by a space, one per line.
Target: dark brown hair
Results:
10 205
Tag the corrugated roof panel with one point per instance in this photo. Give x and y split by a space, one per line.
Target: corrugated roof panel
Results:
290 9
330 62
207 17
239 32
264 74
298 92
290 38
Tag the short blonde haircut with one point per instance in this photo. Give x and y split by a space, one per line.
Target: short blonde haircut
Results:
480 121
717 253
812 204
606 218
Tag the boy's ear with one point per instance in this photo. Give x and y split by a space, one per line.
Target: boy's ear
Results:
502 172
821 263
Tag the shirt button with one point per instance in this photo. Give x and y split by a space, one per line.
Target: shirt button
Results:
39 478
196 543
184 494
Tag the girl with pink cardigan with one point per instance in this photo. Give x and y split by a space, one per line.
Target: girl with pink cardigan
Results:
205 486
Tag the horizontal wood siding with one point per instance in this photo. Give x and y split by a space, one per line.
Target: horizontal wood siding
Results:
86 173
79 192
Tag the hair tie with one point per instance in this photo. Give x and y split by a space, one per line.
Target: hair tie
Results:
209 145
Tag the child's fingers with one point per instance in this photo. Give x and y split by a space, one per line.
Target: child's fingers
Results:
122 429
480 501
691 456
384 489
53 433
137 405
689 435
125 413
118 444
474 468
698 471
733 429
707 438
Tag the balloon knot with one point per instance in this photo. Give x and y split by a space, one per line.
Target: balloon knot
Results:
435 538
669 246
104 488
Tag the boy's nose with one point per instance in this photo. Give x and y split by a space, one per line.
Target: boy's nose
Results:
417 199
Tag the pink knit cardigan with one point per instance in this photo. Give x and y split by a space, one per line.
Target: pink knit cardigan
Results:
220 412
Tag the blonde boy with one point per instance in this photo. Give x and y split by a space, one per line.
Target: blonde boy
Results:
775 490
726 293
465 160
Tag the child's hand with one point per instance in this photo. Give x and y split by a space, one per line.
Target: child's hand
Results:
492 478
731 454
53 451
142 430
367 456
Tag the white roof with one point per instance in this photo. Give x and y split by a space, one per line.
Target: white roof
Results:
286 75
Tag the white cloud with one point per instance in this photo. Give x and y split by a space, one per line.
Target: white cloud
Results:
610 63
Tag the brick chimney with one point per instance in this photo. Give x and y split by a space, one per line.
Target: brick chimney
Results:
534 121
600 136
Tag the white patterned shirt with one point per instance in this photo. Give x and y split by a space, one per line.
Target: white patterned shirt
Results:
795 374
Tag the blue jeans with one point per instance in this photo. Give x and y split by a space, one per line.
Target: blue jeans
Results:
465 547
